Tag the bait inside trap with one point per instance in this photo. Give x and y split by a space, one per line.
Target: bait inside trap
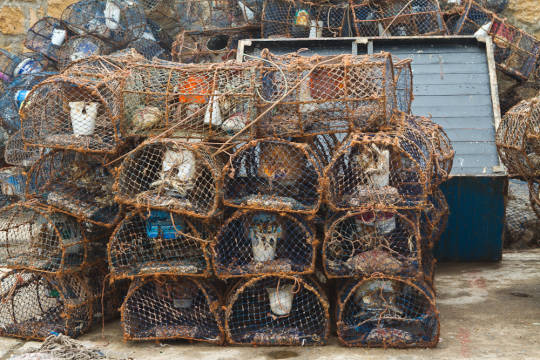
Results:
273 174
272 310
172 308
158 242
46 37
387 312
255 242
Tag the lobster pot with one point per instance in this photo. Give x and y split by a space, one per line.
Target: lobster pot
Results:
391 169
471 18
325 146
18 154
149 49
404 84
411 18
325 95
172 175
366 16
304 19
273 174
384 241
81 47
157 33
257 242
46 37
171 307
75 113
76 184
192 101
516 52
434 218
13 181
115 21
518 139
158 242
534 192
277 310
163 13
101 66
387 312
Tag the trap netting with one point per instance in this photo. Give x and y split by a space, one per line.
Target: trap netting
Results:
403 78
434 218
273 174
324 146
76 184
170 307
79 113
46 36
305 19
19 154
366 16
277 310
12 66
391 169
207 101
257 242
173 175
44 240
384 241
534 194
116 21
13 181
321 95
157 33
81 47
516 52
149 49
471 17
159 242
387 312
518 139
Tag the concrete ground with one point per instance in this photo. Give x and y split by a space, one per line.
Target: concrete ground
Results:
488 311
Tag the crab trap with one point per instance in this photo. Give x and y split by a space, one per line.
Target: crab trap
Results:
173 175
13 181
277 310
391 169
403 78
434 218
273 174
257 242
18 154
204 101
534 193
516 52
324 146
116 21
46 37
12 66
518 139
81 47
76 184
320 95
366 16
387 312
78 113
149 49
471 17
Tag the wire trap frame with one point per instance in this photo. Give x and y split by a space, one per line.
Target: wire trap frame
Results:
157 243
46 37
277 310
13 182
384 311
18 154
434 219
472 17
411 18
257 243
534 193
403 78
172 175
323 95
273 174
169 307
80 47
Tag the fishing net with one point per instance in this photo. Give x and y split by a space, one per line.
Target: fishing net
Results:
163 13
149 49
159 242
273 174
366 16
516 52
157 33
434 218
116 21
321 95
472 17
518 139
81 47
104 65
391 169
534 192
173 175
172 308
207 101
77 113
19 154
46 37
403 78
256 242
277 310
387 312
12 66
13 181
324 146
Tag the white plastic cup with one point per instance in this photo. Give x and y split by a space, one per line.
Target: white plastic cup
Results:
83 117
58 37
281 299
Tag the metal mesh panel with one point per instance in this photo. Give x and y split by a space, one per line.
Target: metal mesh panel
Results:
19 154
271 310
13 181
472 17
172 308
255 242
46 36
387 312
81 47
158 242
272 174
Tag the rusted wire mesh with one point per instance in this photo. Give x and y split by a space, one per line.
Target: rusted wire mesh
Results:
518 139
76 184
273 174
516 52
324 146
387 312
173 175
390 168
403 78
534 192
159 242
366 16
472 17
46 36
13 181
77 113
321 95
171 307
256 242
18 154
81 47
104 65
115 21
434 218
149 49
163 13
272 310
